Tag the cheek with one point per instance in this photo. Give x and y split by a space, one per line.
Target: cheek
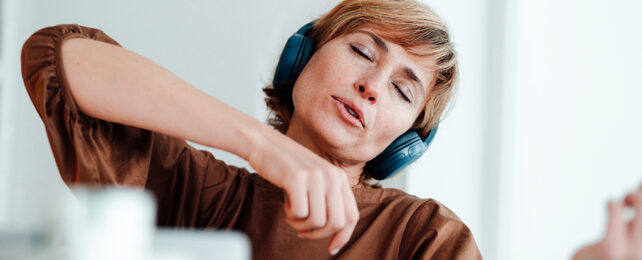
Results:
331 72
325 74
393 123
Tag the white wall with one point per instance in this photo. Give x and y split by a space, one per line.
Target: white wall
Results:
7 77
575 120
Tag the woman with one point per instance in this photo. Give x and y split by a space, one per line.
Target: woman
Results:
380 68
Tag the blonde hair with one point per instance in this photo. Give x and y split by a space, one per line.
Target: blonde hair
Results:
407 23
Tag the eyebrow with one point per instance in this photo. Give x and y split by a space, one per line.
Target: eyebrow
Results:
411 74
382 45
377 40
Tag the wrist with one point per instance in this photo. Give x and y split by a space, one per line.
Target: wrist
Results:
252 137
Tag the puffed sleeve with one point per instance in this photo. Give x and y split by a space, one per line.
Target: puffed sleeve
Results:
87 151
185 181
435 232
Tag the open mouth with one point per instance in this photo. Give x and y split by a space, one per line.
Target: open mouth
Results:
351 112
354 114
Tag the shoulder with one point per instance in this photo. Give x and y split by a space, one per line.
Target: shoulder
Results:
430 210
431 229
435 231
418 214
413 206
435 223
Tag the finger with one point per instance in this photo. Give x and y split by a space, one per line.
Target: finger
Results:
296 206
616 225
335 211
352 211
341 238
634 200
318 216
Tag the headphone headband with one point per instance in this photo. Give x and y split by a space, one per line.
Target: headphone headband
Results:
304 30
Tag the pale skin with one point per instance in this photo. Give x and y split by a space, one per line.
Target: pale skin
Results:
623 238
323 153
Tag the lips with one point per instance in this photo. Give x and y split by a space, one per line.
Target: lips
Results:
352 111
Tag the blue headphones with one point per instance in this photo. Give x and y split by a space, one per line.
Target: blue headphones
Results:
403 151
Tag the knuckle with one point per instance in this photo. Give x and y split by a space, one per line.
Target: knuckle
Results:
338 176
333 178
336 224
316 176
317 222
294 180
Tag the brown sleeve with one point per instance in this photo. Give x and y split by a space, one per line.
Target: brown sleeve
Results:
94 152
435 232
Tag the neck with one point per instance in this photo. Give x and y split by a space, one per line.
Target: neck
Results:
299 134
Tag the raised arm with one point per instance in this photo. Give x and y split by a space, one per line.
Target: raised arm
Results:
113 84
116 85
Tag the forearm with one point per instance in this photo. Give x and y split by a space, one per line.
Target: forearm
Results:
113 84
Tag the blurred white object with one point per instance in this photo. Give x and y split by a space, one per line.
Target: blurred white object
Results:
115 223
112 223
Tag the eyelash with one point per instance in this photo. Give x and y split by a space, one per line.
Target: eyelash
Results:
399 92
356 50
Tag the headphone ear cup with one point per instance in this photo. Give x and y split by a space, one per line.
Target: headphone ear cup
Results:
305 53
295 56
400 153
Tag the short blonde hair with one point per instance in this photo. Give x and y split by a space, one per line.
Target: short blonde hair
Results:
407 23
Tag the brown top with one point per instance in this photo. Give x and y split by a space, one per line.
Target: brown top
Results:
194 190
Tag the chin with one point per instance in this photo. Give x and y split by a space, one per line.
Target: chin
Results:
341 143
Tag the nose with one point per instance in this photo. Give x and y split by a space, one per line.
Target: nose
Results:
370 88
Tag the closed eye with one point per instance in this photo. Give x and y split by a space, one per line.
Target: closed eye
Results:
360 53
400 93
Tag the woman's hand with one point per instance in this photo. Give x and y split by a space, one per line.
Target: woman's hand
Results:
623 239
320 201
